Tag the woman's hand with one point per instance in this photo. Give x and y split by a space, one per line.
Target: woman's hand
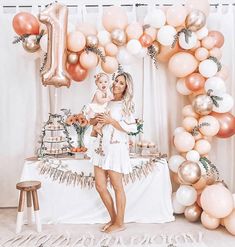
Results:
104 118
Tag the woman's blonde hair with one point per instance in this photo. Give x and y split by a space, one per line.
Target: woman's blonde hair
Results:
128 104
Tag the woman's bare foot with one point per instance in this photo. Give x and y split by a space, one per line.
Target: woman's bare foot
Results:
115 228
104 227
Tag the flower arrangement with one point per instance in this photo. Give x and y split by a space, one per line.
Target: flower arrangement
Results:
140 125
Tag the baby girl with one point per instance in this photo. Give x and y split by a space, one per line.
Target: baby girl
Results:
99 102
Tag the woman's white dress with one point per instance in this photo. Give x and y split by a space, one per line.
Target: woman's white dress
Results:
111 151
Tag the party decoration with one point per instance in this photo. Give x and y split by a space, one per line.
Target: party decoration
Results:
92 41
110 65
77 72
175 15
192 213
218 37
184 142
55 17
189 172
195 82
195 20
31 43
175 161
216 84
165 35
202 104
118 37
177 207
134 31
209 221
202 5
72 58
212 127
225 104
155 18
186 195
76 41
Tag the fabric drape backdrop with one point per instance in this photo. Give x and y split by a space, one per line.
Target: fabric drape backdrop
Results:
25 103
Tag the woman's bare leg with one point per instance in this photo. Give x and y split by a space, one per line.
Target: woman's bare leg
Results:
116 181
101 187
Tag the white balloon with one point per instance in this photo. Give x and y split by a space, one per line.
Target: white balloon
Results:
216 84
155 18
142 53
186 195
175 161
124 57
104 37
192 41
43 42
134 46
225 105
202 33
208 68
177 207
181 87
193 155
179 130
166 34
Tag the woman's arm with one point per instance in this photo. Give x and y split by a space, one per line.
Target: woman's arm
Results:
106 119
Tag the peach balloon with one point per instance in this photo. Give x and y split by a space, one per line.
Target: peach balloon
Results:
182 64
208 42
218 37
77 72
227 124
229 222
111 49
199 185
25 23
223 73
114 17
195 81
209 130
216 52
176 15
110 65
145 40
86 29
202 5
151 31
76 41
184 142
188 111
175 178
217 201
201 54
166 52
189 123
134 31
209 222
202 146
88 60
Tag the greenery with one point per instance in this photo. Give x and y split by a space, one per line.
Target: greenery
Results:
140 125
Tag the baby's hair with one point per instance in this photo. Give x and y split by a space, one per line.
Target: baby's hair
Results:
99 75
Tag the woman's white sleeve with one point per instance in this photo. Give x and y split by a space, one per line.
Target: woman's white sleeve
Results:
128 124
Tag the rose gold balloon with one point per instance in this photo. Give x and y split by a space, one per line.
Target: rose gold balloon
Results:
192 213
202 104
176 178
92 41
25 23
55 17
218 37
189 172
195 20
151 31
76 72
201 54
208 42
227 124
31 44
195 81
73 58
145 40
200 184
118 37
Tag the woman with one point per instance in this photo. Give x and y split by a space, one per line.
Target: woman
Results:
110 155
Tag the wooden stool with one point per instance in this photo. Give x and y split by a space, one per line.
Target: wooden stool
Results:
28 189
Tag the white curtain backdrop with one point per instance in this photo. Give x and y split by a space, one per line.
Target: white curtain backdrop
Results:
25 103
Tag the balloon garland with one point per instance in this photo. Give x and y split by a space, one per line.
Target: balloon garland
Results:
178 37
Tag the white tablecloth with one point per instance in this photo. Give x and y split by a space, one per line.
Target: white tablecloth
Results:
148 199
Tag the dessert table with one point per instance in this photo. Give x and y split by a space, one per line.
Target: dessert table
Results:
148 197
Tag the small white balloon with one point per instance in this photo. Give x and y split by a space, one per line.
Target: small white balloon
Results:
202 33
216 84
124 57
193 155
177 207
192 41
134 46
208 68
224 105
182 88
43 42
104 37
186 195
155 18
166 34
175 161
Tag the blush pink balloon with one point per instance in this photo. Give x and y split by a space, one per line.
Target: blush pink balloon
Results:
110 65
176 15
77 72
145 40
86 29
182 64
218 37
76 41
114 17
184 142
229 222
208 42
25 23
195 82
134 31
111 49
201 54
88 60
216 52
209 222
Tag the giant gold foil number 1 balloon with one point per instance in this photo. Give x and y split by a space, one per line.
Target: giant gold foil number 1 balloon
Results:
55 17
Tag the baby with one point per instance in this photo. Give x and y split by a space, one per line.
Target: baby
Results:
99 102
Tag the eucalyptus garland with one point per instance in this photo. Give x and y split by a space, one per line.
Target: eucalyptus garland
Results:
196 129
214 98
210 168
97 51
187 35
152 52
214 59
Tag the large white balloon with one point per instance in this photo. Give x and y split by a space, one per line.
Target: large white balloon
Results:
124 57
186 195
182 88
192 41
175 161
166 34
216 84
134 46
208 68
155 18
104 37
225 105
177 207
